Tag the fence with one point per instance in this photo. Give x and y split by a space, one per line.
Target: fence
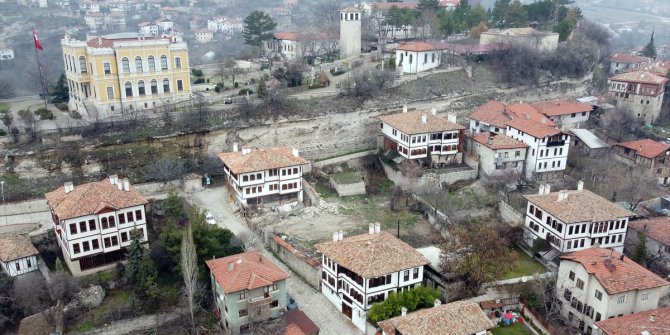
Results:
534 316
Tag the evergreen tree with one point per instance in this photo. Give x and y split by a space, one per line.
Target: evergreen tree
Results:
650 49
135 258
59 265
498 13
173 208
258 27
478 15
60 92
262 89
516 16
428 5
462 14
640 252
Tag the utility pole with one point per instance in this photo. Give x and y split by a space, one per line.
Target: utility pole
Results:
398 229
4 208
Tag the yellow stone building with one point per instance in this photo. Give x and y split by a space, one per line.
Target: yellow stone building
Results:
119 73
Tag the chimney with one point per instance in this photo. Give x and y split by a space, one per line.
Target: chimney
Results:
113 178
69 187
404 109
99 40
371 228
424 118
437 302
652 318
403 311
541 189
119 185
126 184
246 151
235 147
378 227
295 152
621 258
433 111
490 140
580 185
547 189
231 266
451 118
335 236
340 235
562 195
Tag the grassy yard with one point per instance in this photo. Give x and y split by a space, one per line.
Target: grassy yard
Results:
346 177
4 107
524 266
375 209
515 329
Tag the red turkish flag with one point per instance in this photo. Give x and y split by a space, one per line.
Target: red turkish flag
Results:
37 41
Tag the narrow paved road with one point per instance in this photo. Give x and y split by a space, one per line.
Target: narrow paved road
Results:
313 303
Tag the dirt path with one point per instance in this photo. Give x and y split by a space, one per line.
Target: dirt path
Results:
136 325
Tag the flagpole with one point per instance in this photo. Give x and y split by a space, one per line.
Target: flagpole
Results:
39 68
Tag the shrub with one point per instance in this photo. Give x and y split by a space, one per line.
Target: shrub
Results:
540 244
218 88
199 81
196 72
416 298
252 80
208 80
316 85
45 114
62 106
3 132
245 90
75 115
236 85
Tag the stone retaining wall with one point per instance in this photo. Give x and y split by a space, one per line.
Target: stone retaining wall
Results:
309 269
509 214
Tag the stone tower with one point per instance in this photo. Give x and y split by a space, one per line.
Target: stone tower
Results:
350 32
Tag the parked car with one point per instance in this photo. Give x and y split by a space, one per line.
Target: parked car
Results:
210 218
290 303
228 101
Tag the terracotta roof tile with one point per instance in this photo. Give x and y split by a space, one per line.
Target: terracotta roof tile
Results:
261 159
646 147
533 128
621 276
109 42
302 36
373 255
529 112
498 141
636 324
16 247
627 58
298 319
245 271
657 228
90 198
419 46
351 9
388 5
456 318
410 123
492 112
579 206
644 77
561 107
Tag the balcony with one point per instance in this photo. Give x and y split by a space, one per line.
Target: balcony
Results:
556 143
259 301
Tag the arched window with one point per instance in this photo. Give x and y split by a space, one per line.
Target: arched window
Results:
129 89
112 222
154 86
152 63
125 64
164 65
166 85
140 87
104 223
82 64
138 64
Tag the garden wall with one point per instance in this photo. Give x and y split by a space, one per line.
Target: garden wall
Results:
307 268
509 214
344 190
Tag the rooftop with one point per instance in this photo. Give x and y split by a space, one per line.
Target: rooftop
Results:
419 46
108 41
411 122
302 36
590 140
498 141
533 128
644 77
615 272
456 318
16 247
298 323
579 206
529 112
388 5
627 58
492 112
261 159
373 255
653 322
527 31
561 107
245 271
657 228
91 198
646 147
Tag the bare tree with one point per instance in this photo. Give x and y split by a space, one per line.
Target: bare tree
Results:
189 270
231 68
165 169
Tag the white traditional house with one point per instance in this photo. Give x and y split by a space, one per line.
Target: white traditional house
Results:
492 117
623 62
166 26
640 93
225 25
149 29
89 6
415 57
17 255
95 222
643 323
548 147
297 45
597 284
565 113
264 175
498 154
575 220
456 318
361 270
419 134
203 35
656 231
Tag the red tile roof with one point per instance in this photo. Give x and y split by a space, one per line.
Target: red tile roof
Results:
492 112
411 123
644 77
298 323
561 107
91 198
388 5
613 274
533 128
373 255
529 112
498 141
627 58
654 322
657 228
109 42
419 46
16 247
456 318
646 147
261 159
299 36
245 271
